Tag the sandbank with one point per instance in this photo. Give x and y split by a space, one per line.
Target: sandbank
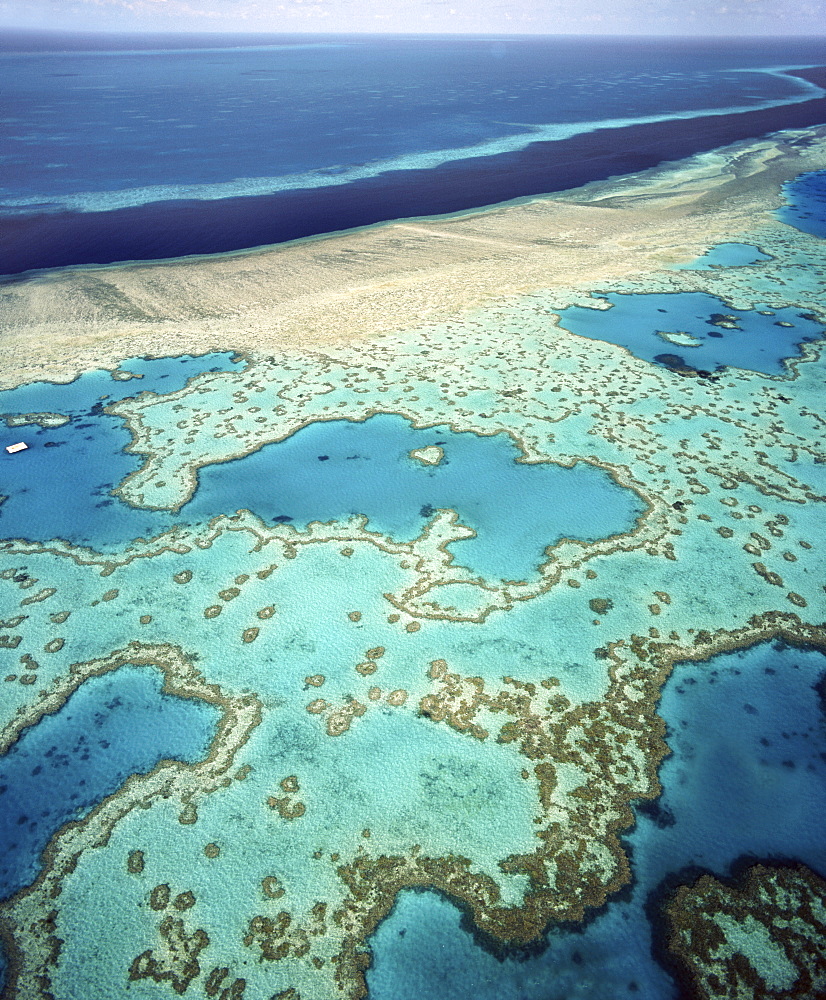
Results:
360 284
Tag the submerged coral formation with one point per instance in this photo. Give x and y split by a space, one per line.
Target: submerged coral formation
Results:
395 713
763 937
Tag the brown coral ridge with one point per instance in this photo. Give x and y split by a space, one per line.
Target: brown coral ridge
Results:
427 557
28 920
785 906
176 960
277 937
618 744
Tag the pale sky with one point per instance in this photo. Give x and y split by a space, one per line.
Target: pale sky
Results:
704 17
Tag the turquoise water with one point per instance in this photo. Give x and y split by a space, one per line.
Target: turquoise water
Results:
758 342
725 255
327 470
330 470
113 726
747 777
59 488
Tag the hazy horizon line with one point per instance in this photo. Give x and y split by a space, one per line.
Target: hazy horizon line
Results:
154 32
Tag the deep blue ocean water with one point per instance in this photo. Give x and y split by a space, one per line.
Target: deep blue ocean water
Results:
357 128
84 128
747 777
113 726
757 339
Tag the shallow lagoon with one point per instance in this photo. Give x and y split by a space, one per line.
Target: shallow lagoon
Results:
805 207
113 726
331 470
747 777
725 255
59 488
718 336
327 470
92 390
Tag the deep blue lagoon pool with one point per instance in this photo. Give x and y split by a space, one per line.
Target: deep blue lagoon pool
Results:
695 330
111 727
805 207
60 487
328 470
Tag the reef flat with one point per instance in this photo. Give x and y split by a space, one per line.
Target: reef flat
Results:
393 717
353 286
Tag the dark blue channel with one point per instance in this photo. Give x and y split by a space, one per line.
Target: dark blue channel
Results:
113 726
174 228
